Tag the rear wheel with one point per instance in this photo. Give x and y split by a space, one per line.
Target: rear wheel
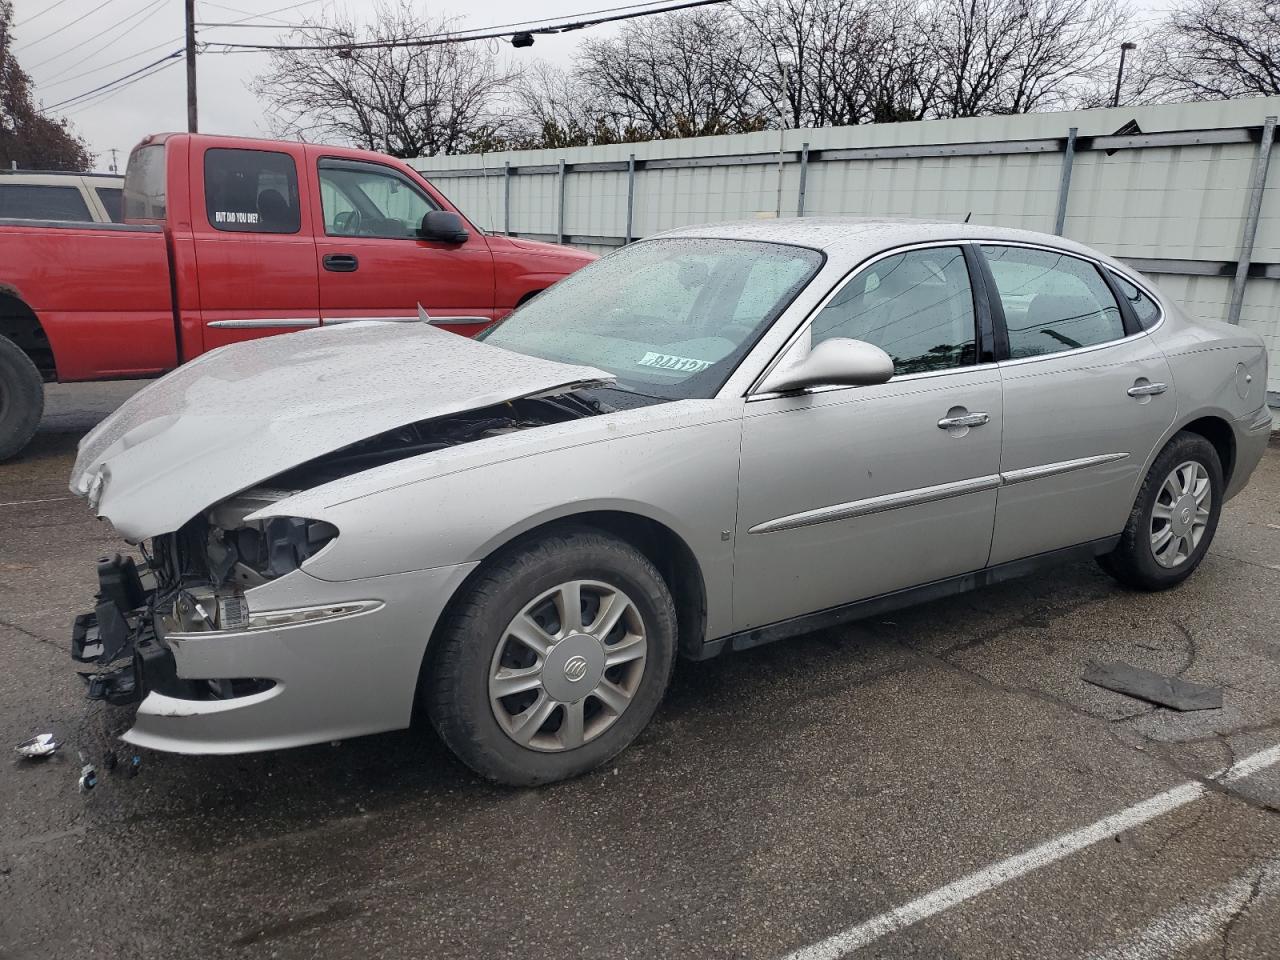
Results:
1174 517
21 398
554 660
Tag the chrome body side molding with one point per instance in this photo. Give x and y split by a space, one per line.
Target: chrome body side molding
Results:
923 495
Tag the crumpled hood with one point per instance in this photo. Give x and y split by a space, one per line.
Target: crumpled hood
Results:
243 413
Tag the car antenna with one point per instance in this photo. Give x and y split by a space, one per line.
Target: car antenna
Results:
967 216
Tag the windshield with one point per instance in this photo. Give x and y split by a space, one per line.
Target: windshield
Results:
669 318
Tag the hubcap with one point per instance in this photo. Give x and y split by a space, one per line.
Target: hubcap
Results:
1181 513
567 665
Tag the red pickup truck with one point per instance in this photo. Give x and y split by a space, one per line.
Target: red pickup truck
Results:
227 238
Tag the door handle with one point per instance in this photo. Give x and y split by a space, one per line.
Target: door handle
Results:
1147 389
341 262
968 420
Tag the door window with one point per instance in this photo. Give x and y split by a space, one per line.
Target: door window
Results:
366 200
1144 308
251 191
916 306
1052 301
112 201
26 201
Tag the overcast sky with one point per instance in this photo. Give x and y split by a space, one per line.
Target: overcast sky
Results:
70 47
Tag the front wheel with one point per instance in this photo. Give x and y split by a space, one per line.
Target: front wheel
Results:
1173 519
554 660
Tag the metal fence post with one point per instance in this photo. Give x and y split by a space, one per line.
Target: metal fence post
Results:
560 205
506 198
1251 219
804 176
631 196
1064 184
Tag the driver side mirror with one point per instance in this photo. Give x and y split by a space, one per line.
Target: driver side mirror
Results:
838 362
443 225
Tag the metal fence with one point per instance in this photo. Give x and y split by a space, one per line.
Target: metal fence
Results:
1179 191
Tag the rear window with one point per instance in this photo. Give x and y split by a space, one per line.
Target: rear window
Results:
251 191
113 201
26 201
144 184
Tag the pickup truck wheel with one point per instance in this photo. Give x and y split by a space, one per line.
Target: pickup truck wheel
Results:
21 398
554 660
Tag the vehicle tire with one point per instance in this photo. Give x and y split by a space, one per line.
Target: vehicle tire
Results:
525 694
1174 517
21 398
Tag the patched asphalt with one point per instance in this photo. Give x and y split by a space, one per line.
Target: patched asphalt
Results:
781 796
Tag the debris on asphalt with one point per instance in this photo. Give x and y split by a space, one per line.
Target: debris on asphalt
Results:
110 761
131 770
1153 687
88 778
38 747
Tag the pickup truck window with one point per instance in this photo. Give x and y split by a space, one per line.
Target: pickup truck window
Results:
144 196
112 201
366 200
28 201
251 191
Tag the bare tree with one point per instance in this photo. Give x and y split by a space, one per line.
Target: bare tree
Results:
553 108
1216 49
405 101
678 75
1015 56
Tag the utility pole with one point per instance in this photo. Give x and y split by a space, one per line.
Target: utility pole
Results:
113 152
192 126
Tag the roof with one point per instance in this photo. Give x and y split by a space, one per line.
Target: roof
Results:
858 237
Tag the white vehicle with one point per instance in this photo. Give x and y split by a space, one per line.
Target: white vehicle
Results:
60 196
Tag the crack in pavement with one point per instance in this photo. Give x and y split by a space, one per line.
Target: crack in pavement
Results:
27 633
1255 890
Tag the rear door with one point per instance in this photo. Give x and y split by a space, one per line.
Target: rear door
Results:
253 243
1087 396
372 264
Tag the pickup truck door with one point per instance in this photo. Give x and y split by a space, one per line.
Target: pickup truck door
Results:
372 263
254 245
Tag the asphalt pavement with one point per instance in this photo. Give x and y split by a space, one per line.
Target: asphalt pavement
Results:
936 783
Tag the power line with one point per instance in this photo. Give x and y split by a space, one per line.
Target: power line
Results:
41 13
68 26
112 63
463 36
106 95
121 23
112 83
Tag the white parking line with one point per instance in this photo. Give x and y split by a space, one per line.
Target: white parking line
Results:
23 503
998 874
1198 923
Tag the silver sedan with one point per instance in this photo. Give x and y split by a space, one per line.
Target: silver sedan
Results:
708 440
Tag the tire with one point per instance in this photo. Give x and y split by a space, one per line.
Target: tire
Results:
1135 562
475 651
21 398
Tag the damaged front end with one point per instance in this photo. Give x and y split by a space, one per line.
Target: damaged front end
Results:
191 582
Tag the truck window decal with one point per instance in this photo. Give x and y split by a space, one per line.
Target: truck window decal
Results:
234 216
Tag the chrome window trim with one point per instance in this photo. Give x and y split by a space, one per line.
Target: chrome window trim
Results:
922 495
807 322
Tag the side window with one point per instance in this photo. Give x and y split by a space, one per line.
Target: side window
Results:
113 200
26 201
916 306
144 183
1052 301
251 191
365 200
1144 308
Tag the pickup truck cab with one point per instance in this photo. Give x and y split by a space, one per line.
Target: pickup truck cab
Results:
229 238
61 195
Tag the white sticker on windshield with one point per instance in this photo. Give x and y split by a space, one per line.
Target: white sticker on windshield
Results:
669 361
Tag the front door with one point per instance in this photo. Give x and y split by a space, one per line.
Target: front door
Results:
848 493
373 264
1087 397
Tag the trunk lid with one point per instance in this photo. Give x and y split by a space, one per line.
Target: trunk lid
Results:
243 413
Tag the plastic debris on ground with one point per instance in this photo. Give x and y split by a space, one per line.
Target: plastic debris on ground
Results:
88 778
1153 687
38 747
